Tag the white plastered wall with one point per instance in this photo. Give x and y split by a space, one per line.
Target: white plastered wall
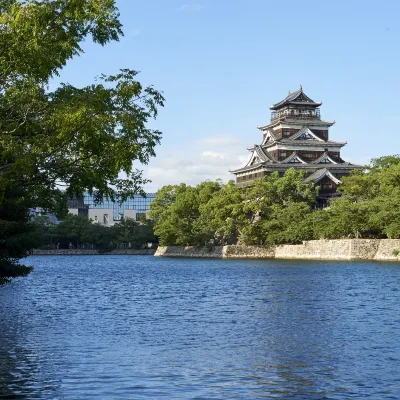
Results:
102 216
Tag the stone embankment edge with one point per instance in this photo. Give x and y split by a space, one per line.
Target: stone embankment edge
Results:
90 252
342 249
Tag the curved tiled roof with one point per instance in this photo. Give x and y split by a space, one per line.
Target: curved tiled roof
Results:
321 173
261 153
307 133
324 156
292 97
292 156
309 142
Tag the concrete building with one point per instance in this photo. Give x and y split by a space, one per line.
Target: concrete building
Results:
38 212
108 213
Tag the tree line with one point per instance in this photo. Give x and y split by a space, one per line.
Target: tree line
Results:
78 232
278 210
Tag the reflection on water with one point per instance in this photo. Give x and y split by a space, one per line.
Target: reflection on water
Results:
23 372
131 327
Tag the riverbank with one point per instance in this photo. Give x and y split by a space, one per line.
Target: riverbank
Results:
91 252
343 249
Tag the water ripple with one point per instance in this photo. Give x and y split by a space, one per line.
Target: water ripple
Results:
133 327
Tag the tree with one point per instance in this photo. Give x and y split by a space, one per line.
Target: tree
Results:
369 205
44 231
276 206
16 234
269 211
162 215
175 212
75 229
277 210
83 233
222 218
82 138
131 234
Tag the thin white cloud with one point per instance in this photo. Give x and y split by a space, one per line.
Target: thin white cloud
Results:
219 140
362 160
131 35
243 160
134 33
209 154
212 159
190 7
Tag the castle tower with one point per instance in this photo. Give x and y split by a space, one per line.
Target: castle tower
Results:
297 137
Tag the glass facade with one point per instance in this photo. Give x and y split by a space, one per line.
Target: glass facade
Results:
138 203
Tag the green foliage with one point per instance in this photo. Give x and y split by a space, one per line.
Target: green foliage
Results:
281 209
78 231
39 37
222 217
17 235
175 212
80 137
131 234
266 212
276 206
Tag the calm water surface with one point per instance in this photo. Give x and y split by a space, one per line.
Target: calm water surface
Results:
138 327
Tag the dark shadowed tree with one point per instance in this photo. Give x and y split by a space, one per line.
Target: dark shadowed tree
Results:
132 234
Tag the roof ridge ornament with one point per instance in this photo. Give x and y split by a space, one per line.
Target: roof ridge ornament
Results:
296 98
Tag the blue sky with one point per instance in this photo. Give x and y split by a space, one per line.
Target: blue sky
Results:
222 63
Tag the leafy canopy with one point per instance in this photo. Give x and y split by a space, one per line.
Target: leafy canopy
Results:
281 209
262 213
81 138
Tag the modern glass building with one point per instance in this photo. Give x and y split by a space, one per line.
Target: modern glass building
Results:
108 212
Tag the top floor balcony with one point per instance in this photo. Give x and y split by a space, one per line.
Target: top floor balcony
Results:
295 114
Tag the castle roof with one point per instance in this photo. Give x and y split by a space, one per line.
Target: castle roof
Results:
302 143
261 154
296 98
293 158
324 159
262 159
293 121
307 167
321 173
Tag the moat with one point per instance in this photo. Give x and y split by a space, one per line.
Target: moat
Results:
140 327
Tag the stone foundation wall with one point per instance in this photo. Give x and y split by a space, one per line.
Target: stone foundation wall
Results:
190 251
316 250
344 249
248 252
385 250
88 252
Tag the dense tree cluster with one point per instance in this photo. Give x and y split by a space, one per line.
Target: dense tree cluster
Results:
78 137
280 209
78 232
369 206
263 213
